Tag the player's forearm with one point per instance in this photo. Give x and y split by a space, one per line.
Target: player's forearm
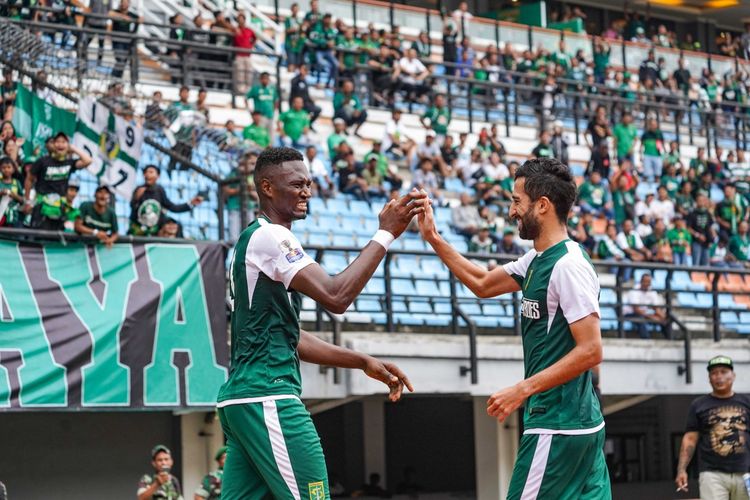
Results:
466 271
314 350
687 449
583 357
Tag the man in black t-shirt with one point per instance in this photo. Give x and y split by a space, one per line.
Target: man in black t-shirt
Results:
49 177
717 425
123 21
700 223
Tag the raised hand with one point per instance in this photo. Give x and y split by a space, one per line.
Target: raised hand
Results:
427 222
397 214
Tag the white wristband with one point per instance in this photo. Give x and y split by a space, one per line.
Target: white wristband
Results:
383 238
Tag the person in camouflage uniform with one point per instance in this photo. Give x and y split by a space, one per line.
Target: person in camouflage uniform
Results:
210 487
160 484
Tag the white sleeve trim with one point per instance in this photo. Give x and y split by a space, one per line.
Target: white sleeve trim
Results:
277 253
574 284
519 267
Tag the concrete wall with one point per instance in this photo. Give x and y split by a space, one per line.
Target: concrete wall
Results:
69 456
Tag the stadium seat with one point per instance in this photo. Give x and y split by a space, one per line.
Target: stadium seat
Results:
334 263
402 286
726 301
408 319
420 307
426 288
369 305
376 286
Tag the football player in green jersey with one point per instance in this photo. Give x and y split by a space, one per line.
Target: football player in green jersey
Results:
273 449
561 454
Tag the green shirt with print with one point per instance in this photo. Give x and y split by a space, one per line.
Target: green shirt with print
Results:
739 246
257 134
653 142
295 123
625 136
671 183
333 142
439 118
679 239
595 195
264 99
92 219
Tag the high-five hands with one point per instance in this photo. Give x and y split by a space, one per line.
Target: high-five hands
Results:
397 214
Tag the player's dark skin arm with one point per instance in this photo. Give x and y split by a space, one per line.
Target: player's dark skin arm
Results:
687 449
336 293
314 350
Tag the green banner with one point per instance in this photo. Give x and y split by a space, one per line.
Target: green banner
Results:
36 119
131 327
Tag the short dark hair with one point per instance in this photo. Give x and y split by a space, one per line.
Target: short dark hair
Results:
103 188
272 158
551 178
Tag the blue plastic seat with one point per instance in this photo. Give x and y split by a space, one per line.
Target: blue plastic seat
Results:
408 319
426 288
687 299
376 286
334 263
471 308
420 307
405 287
494 309
358 207
369 305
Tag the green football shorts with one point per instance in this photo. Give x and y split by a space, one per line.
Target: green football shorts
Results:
560 467
273 451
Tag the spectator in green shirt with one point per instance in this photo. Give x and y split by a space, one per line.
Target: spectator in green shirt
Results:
680 240
348 107
265 99
699 164
670 180
347 57
543 149
437 117
337 137
594 197
731 211
256 134
294 125
673 156
652 149
294 34
625 133
739 244
323 38
97 218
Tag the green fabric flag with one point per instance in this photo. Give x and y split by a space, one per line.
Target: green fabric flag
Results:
36 120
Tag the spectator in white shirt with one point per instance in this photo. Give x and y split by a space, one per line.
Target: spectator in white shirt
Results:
395 141
413 76
496 169
630 243
646 305
430 150
321 180
662 207
425 178
465 217
462 17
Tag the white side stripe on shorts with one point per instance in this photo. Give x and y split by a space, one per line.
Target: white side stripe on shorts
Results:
538 466
278 445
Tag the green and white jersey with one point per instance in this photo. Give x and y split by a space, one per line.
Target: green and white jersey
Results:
559 287
265 315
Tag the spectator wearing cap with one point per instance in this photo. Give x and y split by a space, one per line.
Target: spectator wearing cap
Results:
717 427
256 134
210 487
49 177
348 107
481 242
160 483
150 203
646 306
299 88
97 218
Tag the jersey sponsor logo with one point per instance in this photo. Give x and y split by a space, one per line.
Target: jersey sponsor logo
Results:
292 254
317 490
530 309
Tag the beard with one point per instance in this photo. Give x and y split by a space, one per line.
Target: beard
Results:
529 228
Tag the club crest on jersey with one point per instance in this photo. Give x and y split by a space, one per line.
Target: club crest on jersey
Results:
317 490
530 309
292 254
